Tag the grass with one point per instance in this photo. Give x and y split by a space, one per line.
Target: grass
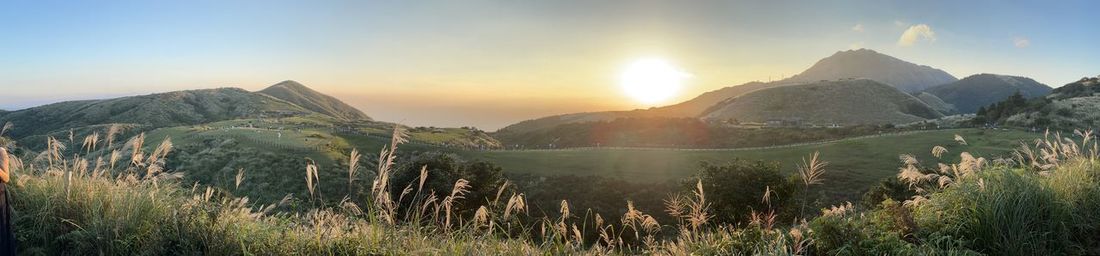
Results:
855 164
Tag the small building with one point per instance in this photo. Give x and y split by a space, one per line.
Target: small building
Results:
784 122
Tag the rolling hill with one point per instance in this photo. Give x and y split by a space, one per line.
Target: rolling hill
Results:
154 110
973 92
844 102
180 108
307 98
936 103
865 63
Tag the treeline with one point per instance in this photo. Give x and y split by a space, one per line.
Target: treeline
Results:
1015 104
675 132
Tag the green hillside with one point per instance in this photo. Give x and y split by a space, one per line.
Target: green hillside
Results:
936 103
154 110
843 102
976 91
1072 106
274 150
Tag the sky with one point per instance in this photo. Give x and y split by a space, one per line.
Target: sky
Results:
492 63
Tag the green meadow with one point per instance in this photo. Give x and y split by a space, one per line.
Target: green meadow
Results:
854 164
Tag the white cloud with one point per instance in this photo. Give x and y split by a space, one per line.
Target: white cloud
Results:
917 33
1021 42
900 24
856 46
858 28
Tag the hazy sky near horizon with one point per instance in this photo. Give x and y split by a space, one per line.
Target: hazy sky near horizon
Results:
492 63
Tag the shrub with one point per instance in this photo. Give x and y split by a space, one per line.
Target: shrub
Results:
888 189
443 170
1011 211
737 188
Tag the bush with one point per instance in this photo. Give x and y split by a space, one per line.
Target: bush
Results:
889 189
443 171
877 233
737 188
1006 211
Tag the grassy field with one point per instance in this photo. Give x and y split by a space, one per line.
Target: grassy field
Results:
855 164
311 143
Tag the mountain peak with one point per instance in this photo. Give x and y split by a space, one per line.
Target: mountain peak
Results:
857 51
289 84
297 93
867 63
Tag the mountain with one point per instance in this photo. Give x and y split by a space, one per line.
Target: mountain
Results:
973 92
154 110
936 103
861 63
865 63
307 98
844 102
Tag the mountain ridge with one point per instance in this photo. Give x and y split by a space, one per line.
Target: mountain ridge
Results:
164 109
696 106
979 90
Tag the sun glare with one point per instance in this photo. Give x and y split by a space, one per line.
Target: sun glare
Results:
651 80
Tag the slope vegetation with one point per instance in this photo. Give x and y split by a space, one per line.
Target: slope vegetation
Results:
307 98
1073 106
154 110
976 91
936 103
845 102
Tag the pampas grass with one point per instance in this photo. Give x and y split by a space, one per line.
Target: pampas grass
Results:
353 167
7 126
238 179
312 178
810 172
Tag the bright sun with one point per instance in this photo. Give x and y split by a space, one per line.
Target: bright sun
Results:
651 80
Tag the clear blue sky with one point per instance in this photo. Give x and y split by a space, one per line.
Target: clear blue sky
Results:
490 63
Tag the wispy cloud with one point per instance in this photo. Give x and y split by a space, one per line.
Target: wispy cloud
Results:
856 45
916 33
858 28
900 23
1021 42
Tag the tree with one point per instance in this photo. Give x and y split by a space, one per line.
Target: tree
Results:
889 188
443 170
737 188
